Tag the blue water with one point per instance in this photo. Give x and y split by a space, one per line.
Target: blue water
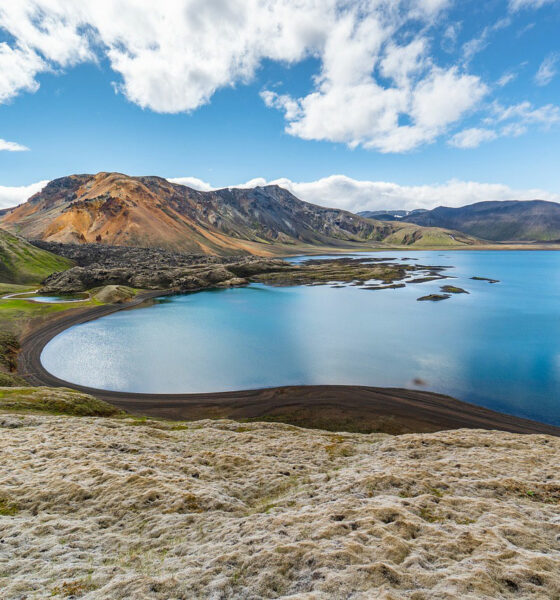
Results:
499 346
56 299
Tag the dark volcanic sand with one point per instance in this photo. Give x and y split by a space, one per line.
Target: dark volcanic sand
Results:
340 408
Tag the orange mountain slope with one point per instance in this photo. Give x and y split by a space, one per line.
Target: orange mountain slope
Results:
116 209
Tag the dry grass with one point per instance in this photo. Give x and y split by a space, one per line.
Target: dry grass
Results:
98 508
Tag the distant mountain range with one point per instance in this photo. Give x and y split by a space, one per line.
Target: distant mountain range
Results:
112 208
524 221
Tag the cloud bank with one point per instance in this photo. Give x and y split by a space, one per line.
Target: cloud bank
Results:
354 195
340 191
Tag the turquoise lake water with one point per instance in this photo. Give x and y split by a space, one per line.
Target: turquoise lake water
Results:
57 299
498 346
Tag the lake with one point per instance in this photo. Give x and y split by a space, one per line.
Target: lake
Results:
498 346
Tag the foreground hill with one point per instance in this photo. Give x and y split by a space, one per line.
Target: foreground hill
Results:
126 508
533 220
20 262
116 209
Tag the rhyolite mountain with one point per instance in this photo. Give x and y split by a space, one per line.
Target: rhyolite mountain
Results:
116 209
499 221
20 262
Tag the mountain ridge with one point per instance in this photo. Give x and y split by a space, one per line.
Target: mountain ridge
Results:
497 220
150 211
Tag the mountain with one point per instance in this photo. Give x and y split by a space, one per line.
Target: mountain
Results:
116 209
514 220
20 262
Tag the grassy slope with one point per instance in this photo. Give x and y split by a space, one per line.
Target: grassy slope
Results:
16 314
57 401
429 237
97 508
20 262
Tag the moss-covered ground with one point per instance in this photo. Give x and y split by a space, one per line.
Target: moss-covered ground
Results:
54 401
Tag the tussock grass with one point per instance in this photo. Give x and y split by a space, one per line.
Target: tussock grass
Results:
99 509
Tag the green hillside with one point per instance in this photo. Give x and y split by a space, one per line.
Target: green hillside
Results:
20 262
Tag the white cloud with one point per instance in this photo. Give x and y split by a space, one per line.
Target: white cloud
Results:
476 45
547 70
12 146
516 5
379 84
344 192
340 191
450 36
507 121
173 56
12 196
472 138
524 113
372 115
505 79
192 182
18 68
417 105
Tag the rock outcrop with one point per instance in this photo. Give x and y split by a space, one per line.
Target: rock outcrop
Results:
150 268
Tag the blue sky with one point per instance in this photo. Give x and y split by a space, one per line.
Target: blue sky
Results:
413 93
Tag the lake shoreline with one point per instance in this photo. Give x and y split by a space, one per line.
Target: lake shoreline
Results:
332 407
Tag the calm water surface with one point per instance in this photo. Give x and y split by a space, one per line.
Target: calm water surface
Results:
499 346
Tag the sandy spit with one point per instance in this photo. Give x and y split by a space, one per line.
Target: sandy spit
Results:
123 508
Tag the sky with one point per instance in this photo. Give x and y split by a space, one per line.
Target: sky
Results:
358 104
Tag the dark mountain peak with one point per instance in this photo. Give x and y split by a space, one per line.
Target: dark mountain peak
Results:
497 220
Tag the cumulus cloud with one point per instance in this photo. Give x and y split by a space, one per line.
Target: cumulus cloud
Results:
12 196
192 182
547 70
19 68
418 104
379 85
173 56
12 146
